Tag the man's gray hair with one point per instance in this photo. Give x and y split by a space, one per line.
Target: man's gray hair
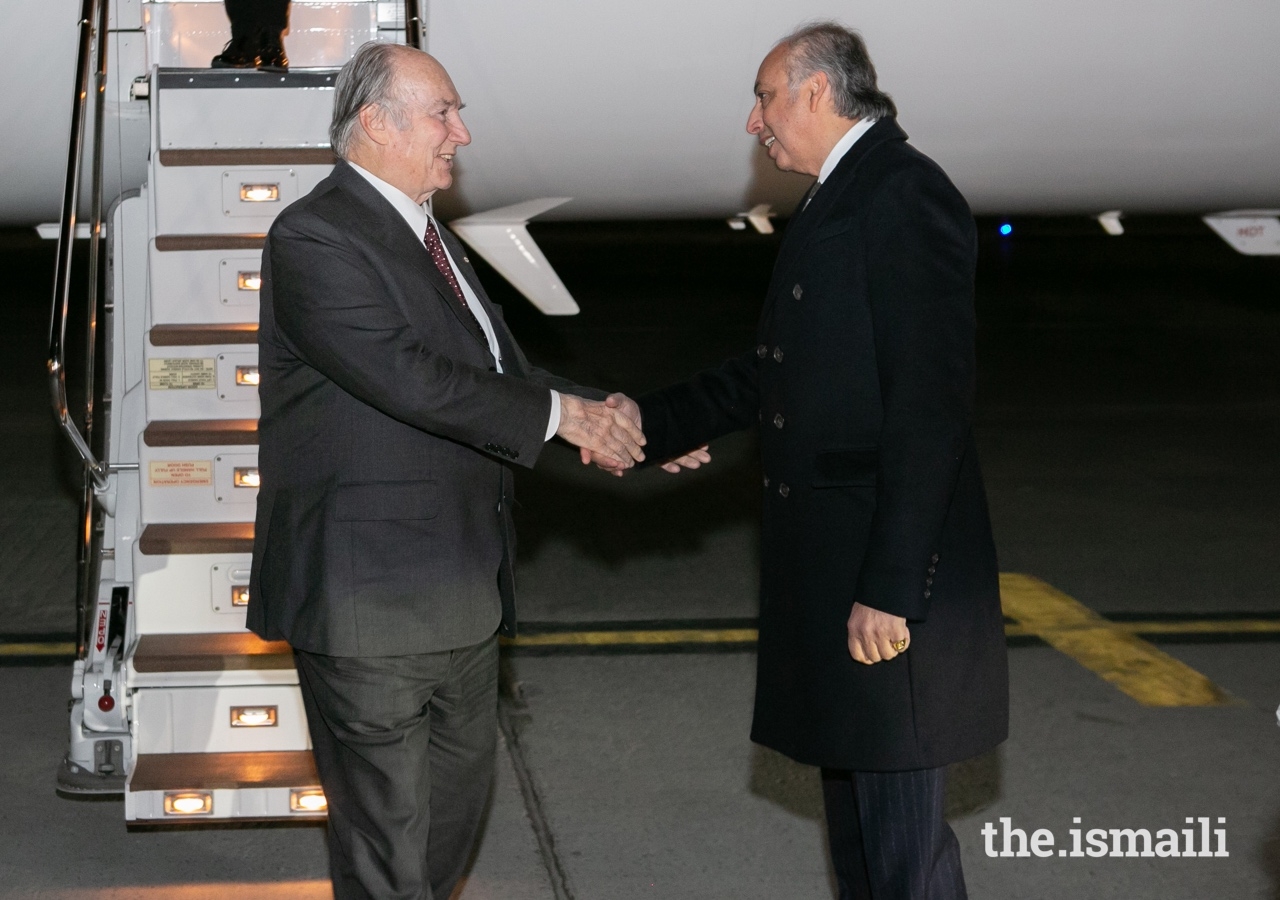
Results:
369 77
840 53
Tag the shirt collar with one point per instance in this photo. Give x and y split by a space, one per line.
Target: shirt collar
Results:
842 146
415 215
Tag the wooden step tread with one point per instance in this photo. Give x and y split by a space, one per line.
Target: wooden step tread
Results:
169 243
222 771
204 335
254 156
199 537
202 433
232 652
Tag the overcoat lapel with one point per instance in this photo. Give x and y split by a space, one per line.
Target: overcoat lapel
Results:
389 230
805 223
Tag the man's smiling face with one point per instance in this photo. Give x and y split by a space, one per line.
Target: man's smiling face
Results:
794 126
426 129
773 118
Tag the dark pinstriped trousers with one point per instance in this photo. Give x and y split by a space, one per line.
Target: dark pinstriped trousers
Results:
888 838
405 750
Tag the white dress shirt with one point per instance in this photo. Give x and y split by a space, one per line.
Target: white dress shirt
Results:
861 127
416 217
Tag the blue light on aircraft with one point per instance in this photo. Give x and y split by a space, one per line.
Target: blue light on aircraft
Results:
1006 229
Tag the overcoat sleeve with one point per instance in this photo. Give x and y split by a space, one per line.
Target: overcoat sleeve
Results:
921 254
712 403
331 313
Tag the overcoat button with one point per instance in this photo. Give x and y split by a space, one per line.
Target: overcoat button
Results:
762 351
934 559
797 292
766 481
778 420
783 490
926 594
932 570
928 582
777 354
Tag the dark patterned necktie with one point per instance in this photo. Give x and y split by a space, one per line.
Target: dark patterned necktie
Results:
436 249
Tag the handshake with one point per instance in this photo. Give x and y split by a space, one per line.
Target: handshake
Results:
609 434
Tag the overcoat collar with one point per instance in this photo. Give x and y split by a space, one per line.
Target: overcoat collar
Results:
388 228
805 222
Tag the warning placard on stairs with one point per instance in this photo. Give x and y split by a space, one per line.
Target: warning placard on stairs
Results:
182 374
180 473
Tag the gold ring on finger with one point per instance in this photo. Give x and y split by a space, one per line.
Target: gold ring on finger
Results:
899 645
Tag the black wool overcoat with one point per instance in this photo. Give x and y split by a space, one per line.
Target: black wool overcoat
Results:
862 388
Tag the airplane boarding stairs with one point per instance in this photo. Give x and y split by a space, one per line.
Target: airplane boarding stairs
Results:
174 702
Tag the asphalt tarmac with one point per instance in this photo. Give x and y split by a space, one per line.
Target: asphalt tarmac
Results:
1128 416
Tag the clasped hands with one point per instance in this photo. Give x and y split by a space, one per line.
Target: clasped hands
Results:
608 433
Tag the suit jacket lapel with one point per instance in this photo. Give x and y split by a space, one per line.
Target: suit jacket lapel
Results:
391 232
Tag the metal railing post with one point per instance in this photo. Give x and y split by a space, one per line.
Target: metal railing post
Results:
92 18
412 24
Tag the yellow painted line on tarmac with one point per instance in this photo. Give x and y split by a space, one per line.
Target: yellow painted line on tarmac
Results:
1186 626
1145 673
615 638
277 890
45 648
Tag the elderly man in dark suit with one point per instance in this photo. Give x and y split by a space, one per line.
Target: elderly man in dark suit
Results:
881 654
394 400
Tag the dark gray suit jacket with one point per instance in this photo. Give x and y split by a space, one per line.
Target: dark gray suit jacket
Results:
384 518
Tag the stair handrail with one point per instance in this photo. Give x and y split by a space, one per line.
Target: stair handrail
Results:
412 24
93 22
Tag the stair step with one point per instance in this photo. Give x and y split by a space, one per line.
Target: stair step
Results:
173 242
223 771
202 433
257 156
243 79
198 537
209 653
203 335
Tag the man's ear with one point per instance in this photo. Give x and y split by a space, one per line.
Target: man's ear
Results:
819 88
373 120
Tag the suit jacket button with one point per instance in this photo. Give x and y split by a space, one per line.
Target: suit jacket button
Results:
778 420
777 354
783 490
926 594
762 351
766 481
797 292
932 570
928 582
934 559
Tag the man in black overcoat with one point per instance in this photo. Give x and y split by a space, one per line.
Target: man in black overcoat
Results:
882 653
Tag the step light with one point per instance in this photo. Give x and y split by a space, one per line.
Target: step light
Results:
240 595
259 193
246 477
188 803
311 800
253 716
249 281
247 376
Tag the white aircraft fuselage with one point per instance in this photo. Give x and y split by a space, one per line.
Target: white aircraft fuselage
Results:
638 110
